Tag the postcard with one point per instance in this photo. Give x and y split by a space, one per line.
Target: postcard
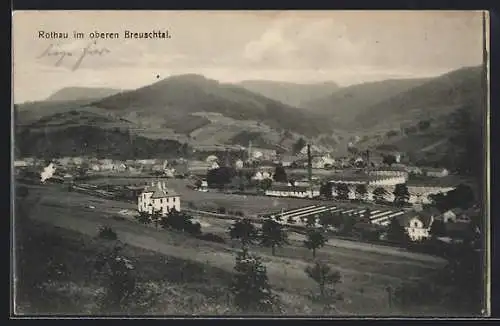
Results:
250 163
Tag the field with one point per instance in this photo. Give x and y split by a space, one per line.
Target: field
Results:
367 270
250 205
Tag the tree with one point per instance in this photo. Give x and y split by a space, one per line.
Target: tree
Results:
342 191
299 144
361 191
220 177
310 221
265 184
122 292
244 231
437 229
389 159
397 232
315 240
325 190
324 276
401 194
379 194
280 174
462 196
424 124
106 232
180 221
273 235
156 218
144 218
250 286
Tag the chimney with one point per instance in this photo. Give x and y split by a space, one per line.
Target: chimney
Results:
309 167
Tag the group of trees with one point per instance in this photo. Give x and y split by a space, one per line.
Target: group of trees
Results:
251 287
272 234
462 197
173 220
228 177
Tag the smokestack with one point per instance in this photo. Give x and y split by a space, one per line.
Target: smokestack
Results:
309 166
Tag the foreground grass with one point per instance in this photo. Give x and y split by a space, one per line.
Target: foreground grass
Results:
56 276
192 275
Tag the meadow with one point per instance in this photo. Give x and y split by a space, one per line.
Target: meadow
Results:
366 274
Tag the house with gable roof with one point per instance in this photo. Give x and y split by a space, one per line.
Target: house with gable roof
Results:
157 198
417 225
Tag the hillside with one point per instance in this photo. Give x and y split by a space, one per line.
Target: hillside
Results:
180 96
92 141
292 94
345 104
81 93
439 96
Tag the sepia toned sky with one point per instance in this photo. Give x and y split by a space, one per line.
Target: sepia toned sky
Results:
347 47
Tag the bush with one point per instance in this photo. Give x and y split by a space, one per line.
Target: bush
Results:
211 237
106 232
193 228
221 210
250 287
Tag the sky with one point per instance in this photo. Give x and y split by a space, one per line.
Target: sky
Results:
347 47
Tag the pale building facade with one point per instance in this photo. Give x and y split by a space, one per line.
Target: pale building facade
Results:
157 198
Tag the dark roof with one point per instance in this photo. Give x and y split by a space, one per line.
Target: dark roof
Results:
291 188
162 194
352 178
407 217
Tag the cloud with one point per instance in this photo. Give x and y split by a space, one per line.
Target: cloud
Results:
345 47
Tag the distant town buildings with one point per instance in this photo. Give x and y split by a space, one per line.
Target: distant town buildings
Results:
289 190
436 172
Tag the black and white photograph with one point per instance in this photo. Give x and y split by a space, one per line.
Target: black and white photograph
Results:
250 163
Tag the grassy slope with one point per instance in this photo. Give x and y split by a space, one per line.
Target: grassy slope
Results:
192 93
437 97
91 141
343 105
363 280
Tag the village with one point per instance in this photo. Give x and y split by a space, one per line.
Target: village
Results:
369 189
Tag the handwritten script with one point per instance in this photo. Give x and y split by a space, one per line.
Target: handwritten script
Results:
76 56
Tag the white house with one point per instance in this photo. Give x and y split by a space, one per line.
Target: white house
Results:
418 226
95 167
157 198
238 164
211 159
204 186
20 164
456 215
